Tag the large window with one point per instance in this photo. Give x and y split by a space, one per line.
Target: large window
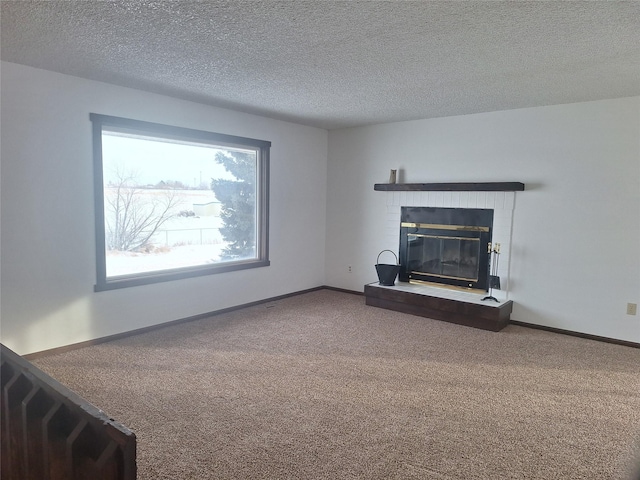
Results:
175 202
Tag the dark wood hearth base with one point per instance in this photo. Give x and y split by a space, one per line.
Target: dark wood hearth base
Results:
408 298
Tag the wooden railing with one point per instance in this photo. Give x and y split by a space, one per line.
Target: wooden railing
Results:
49 432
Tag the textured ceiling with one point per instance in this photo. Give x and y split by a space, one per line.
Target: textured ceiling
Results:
338 64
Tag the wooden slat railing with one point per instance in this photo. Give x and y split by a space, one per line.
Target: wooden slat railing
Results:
49 432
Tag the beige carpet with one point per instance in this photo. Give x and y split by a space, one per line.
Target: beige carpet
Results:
320 386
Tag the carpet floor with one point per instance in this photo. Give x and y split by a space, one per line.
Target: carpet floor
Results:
321 386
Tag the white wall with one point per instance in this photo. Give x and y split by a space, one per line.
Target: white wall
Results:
47 220
575 260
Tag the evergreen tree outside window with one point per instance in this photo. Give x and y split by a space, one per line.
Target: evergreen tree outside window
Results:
238 200
173 203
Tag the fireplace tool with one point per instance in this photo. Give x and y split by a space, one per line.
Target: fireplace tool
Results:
494 279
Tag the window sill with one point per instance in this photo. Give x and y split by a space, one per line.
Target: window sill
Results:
178 274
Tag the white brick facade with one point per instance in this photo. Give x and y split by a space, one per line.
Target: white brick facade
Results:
502 203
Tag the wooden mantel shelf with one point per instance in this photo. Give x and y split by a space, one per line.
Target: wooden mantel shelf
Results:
451 187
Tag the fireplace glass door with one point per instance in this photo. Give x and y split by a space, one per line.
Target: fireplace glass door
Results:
443 256
445 245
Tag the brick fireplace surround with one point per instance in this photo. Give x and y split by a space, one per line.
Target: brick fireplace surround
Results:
457 306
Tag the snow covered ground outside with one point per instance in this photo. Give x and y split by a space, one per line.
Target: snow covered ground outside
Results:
182 241
126 263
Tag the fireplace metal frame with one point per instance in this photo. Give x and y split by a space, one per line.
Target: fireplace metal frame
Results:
446 223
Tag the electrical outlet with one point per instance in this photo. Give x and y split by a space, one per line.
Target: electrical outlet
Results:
349 267
632 308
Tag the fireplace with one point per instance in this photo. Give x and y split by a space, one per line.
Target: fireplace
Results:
446 245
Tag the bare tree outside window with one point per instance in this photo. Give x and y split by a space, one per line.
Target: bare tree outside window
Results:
132 215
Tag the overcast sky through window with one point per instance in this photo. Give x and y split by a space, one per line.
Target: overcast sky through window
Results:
154 161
